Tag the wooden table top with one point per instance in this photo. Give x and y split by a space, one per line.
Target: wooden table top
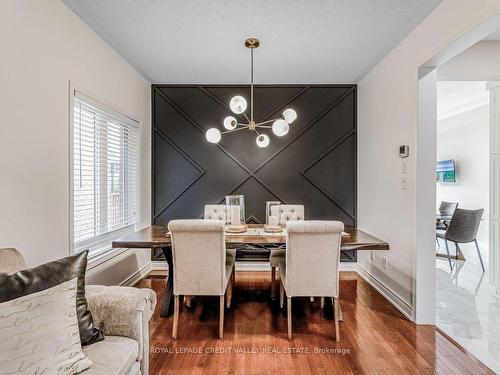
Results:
156 236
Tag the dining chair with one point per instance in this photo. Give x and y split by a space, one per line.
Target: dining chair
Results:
215 212
445 208
462 228
218 212
305 273
201 265
288 212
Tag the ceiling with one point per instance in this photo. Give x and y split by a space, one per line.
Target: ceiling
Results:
494 36
302 41
455 97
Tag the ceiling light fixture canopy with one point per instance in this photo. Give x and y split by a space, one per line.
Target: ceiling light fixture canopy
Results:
238 104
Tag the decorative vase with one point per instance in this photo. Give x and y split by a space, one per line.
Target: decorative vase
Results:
235 214
273 214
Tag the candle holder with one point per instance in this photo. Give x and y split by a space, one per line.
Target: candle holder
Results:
273 210
235 214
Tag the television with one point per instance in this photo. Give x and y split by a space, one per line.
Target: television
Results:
445 171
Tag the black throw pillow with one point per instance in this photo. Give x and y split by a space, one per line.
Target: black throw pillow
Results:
49 275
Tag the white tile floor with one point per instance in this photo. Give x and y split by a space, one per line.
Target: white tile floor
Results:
466 308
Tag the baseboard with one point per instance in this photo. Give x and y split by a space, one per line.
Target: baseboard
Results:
138 275
252 266
158 265
255 266
388 294
348 267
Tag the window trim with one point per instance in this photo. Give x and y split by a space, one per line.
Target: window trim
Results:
107 252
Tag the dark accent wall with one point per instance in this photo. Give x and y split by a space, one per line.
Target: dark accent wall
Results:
314 164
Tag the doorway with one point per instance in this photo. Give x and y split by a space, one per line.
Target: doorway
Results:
464 300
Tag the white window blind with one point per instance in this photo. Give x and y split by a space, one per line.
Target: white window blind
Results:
105 174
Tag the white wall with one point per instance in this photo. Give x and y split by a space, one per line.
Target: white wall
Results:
387 117
44 47
477 63
465 138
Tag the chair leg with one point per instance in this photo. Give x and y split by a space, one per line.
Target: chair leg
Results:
221 317
187 301
176 317
322 303
448 252
335 302
457 251
282 295
229 292
289 316
273 282
479 253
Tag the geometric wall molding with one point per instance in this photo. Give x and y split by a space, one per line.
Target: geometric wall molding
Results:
314 164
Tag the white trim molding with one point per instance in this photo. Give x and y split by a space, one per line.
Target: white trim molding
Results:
138 275
494 212
387 293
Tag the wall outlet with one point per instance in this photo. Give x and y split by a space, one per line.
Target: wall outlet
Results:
385 264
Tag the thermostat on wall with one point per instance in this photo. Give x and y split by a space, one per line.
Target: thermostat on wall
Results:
404 151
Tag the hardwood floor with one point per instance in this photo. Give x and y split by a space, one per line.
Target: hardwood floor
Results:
375 337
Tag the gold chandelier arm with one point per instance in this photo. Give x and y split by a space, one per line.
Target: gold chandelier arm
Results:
264 126
267 122
246 117
234 130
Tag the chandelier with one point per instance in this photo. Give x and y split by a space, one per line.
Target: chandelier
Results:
238 105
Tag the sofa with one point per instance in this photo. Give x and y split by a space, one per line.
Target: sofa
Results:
122 313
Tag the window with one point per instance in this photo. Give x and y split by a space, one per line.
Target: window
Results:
105 174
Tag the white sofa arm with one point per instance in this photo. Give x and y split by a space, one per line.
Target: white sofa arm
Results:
123 311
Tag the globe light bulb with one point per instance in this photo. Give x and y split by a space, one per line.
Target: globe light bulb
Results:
230 123
262 140
280 127
289 115
213 135
238 104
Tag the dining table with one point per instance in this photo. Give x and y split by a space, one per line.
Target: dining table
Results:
158 237
443 215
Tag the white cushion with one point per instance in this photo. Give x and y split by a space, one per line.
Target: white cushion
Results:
39 333
115 355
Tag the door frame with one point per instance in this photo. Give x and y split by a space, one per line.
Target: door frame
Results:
424 257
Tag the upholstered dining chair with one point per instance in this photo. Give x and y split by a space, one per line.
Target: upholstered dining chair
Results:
462 228
200 262
215 212
288 212
305 273
218 212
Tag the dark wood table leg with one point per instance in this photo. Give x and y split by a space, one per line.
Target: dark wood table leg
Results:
167 308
